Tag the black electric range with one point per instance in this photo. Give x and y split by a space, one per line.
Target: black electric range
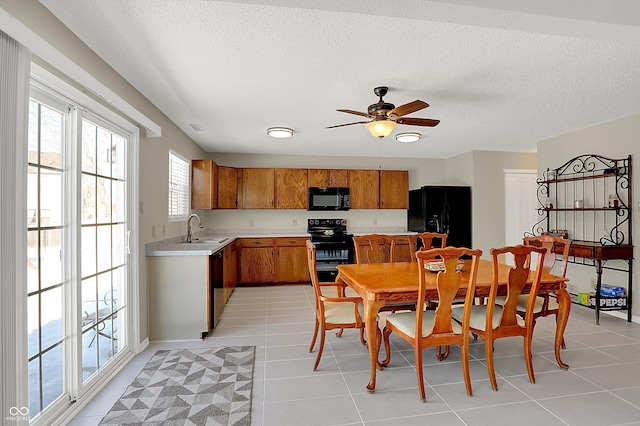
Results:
334 246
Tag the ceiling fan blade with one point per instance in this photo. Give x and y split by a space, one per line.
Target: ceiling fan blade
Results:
408 108
428 122
348 124
350 111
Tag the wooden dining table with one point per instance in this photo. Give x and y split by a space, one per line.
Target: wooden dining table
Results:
386 284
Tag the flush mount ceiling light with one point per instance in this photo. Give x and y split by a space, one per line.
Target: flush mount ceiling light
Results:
279 132
380 128
408 137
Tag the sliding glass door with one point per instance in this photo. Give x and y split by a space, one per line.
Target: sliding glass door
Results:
78 254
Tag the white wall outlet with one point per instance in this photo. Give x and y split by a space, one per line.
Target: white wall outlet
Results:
295 222
153 231
251 223
375 222
141 207
164 231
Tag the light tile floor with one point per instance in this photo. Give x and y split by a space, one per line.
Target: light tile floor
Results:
602 387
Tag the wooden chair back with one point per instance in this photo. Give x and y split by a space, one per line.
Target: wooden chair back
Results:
428 237
508 324
448 283
373 248
549 243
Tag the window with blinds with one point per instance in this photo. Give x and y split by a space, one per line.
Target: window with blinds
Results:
178 187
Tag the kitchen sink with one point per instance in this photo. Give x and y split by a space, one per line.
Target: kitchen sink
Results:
207 241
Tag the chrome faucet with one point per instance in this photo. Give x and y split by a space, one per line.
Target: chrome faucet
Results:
189 234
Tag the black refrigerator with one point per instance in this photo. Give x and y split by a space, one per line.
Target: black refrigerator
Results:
443 209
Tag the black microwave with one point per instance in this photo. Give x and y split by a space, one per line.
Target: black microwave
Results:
335 198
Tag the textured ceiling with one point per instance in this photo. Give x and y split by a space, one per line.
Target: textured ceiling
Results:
499 77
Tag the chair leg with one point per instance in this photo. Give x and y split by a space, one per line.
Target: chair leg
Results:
465 367
387 347
419 373
322 333
488 351
339 333
528 356
315 335
362 340
442 356
562 345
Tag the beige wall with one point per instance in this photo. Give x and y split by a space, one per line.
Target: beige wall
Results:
614 139
487 193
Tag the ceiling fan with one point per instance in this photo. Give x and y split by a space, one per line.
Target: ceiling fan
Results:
385 116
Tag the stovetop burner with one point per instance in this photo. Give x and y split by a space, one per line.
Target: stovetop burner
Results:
327 225
328 229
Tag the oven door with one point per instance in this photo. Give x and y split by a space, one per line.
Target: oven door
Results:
330 254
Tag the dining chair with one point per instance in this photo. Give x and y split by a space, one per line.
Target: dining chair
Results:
332 312
436 328
373 248
493 321
376 248
544 304
428 238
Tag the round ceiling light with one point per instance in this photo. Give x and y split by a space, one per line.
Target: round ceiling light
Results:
279 132
408 137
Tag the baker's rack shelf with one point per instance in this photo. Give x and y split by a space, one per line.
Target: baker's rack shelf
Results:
589 197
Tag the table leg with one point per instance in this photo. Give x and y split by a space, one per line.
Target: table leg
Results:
371 309
564 302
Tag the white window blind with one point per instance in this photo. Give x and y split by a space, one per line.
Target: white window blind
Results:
178 187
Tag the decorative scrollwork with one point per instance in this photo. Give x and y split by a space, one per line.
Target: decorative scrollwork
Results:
583 167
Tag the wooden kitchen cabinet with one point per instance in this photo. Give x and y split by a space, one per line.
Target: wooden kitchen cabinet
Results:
230 279
291 188
328 178
394 189
291 260
257 187
204 188
364 189
227 187
256 260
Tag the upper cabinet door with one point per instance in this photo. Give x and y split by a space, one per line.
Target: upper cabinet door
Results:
394 189
328 177
291 188
258 188
318 178
339 177
203 184
227 187
364 189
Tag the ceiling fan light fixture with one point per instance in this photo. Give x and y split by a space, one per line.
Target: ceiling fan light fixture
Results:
380 128
408 137
279 132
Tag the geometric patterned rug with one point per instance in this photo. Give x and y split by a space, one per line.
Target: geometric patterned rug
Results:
200 386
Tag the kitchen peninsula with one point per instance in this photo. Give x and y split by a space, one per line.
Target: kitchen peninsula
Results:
189 283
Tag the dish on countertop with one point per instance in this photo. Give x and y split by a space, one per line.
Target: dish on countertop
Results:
438 265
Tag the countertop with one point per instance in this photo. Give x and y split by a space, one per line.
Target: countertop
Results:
177 246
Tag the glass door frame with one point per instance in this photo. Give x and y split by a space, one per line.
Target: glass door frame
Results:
80 392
